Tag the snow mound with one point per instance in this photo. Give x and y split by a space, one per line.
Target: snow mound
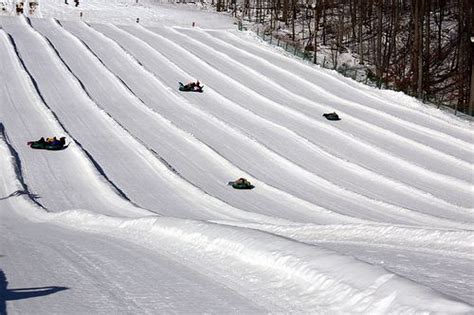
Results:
294 274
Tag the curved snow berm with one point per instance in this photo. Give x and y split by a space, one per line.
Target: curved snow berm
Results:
293 275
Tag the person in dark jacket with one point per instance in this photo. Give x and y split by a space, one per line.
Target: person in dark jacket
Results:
56 142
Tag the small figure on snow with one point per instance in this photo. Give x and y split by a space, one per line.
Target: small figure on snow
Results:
332 116
191 87
19 8
241 183
33 5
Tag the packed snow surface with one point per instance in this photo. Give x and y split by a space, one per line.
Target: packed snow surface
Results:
370 214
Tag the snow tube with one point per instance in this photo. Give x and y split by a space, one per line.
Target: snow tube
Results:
188 88
332 116
245 185
53 146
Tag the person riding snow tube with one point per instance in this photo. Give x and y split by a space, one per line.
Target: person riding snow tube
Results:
241 183
190 87
332 116
49 144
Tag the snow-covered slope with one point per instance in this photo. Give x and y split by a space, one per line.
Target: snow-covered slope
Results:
369 214
24 117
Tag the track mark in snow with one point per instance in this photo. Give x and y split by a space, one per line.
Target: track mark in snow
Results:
163 160
38 90
18 171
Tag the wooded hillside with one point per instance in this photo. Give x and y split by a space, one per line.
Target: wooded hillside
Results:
421 47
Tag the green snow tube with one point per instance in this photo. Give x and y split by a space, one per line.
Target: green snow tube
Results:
46 146
188 88
241 185
332 116
42 145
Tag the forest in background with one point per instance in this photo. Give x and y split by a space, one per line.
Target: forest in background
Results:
420 47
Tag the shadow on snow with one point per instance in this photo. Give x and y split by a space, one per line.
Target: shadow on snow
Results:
21 293
19 193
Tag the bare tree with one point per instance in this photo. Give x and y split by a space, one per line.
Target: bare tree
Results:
378 60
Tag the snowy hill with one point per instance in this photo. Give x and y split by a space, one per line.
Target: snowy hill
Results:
369 214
